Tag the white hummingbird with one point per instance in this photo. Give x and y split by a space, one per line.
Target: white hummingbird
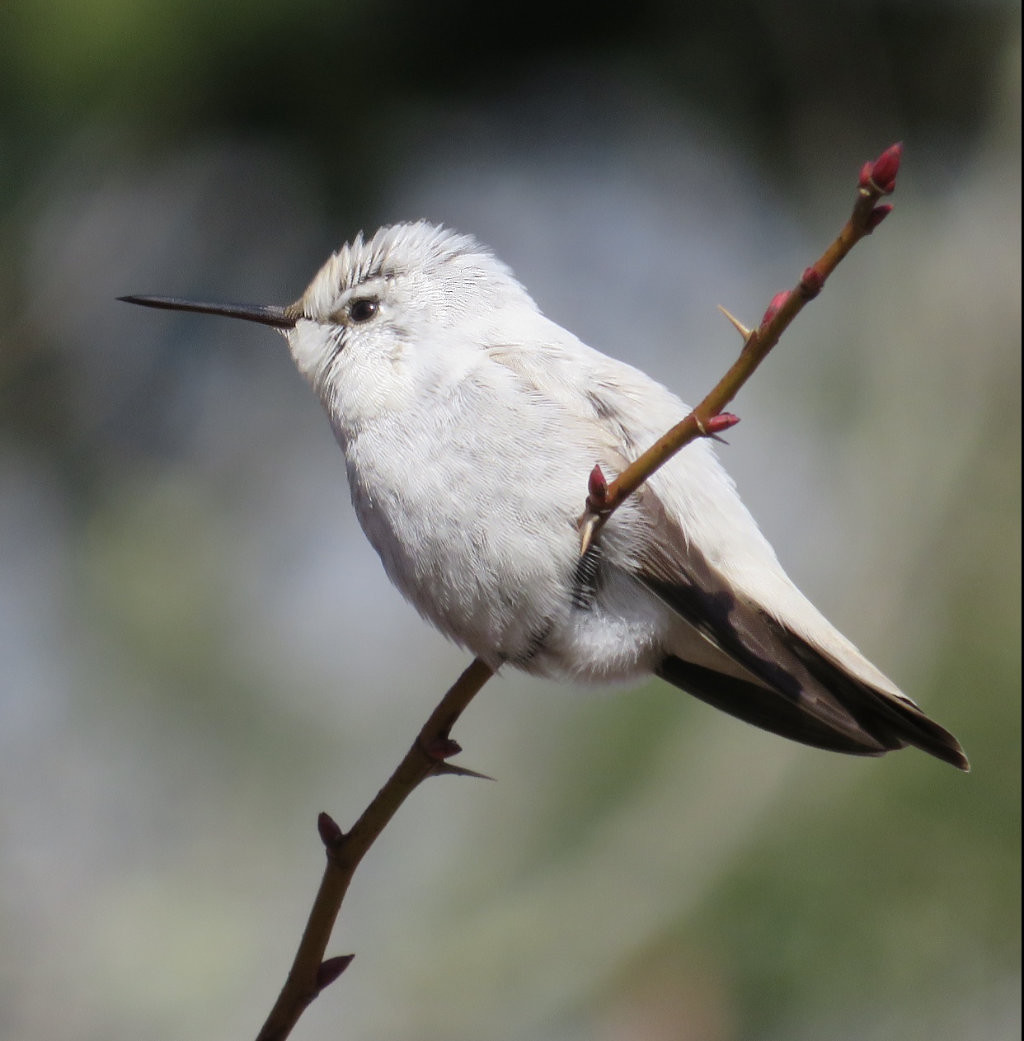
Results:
469 423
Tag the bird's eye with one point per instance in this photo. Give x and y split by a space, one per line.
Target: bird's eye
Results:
363 309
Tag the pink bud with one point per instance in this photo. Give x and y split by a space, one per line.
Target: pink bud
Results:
811 283
597 489
876 216
724 420
885 168
864 180
330 969
773 308
330 833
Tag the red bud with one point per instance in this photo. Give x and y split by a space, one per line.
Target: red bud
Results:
443 748
773 308
330 969
876 216
885 168
724 420
330 833
597 489
811 283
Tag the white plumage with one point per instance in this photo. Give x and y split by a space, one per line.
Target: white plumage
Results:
469 424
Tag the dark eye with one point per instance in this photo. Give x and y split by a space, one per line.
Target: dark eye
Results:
363 309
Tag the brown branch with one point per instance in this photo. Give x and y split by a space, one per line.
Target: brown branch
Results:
428 756
309 972
708 418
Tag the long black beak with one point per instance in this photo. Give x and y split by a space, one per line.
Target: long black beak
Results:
265 314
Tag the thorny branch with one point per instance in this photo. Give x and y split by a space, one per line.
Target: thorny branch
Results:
709 418
428 755
433 747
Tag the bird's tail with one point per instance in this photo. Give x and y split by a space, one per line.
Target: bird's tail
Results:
791 687
849 716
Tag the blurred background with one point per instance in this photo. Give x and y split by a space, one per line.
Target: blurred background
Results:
199 651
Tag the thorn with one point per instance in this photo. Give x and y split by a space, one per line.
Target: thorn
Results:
588 531
876 216
330 969
458 771
330 834
811 283
773 308
736 323
440 749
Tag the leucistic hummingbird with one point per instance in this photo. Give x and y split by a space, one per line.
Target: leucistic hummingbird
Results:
469 423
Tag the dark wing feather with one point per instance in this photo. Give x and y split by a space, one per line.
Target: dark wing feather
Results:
834 710
765 707
784 684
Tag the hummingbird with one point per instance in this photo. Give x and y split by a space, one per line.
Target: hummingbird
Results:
469 422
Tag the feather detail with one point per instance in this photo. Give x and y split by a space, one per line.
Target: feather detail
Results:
791 687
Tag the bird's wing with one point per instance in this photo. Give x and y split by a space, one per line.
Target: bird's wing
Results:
795 685
767 655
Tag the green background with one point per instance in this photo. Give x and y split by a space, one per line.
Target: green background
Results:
198 650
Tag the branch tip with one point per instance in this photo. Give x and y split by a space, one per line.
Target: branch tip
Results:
330 833
330 969
885 168
879 177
